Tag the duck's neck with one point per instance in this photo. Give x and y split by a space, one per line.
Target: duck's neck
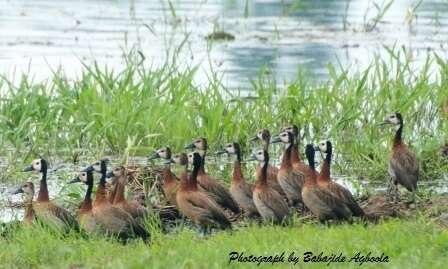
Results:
266 145
113 193
398 136
43 191
325 172
87 203
295 157
119 196
286 159
201 168
29 213
237 173
167 175
262 174
193 182
184 182
101 191
311 177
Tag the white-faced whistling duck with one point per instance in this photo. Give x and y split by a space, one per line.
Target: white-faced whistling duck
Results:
322 203
132 207
45 210
113 220
289 178
403 164
85 214
211 184
324 180
170 181
265 137
28 194
241 190
270 204
196 205
297 164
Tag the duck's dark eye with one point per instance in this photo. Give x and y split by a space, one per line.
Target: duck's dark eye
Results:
97 163
83 174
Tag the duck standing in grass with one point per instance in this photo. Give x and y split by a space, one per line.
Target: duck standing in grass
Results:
113 220
322 203
241 190
196 205
297 163
403 164
270 204
170 181
289 178
45 210
28 195
265 137
85 214
211 184
132 207
324 180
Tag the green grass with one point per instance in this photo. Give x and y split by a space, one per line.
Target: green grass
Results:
409 244
135 110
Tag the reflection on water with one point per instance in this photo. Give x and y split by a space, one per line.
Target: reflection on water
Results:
43 34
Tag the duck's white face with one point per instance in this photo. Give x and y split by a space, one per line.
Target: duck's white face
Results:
118 171
392 119
83 176
97 166
200 144
259 154
230 148
323 146
37 165
180 159
163 153
260 135
28 191
284 137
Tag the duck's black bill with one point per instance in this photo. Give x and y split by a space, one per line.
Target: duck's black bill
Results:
28 169
190 146
75 180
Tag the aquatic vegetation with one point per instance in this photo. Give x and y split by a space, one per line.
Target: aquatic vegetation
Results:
136 110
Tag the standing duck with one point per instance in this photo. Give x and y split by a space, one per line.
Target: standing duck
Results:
44 209
322 203
265 137
210 184
113 220
196 205
297 164
270 204
241 190
403 163
135 209
324 180
170 181
289 178
85 214
28 192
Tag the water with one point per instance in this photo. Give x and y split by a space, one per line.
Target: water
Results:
38 36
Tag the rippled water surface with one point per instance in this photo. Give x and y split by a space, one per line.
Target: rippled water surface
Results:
44 34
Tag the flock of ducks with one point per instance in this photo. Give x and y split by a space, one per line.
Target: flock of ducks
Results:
294 187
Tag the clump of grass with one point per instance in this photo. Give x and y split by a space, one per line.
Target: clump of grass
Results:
132 111
403 241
